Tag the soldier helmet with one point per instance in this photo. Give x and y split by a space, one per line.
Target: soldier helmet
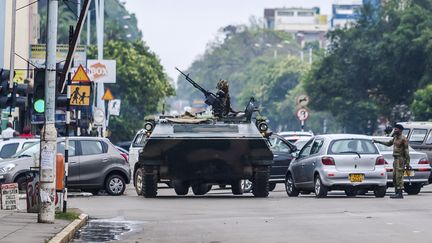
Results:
223 85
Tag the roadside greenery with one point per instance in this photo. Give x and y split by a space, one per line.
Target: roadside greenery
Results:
374 68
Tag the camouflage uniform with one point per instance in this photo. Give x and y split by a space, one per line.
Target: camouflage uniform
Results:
401 158
224 86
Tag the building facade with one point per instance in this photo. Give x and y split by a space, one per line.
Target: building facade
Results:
306 24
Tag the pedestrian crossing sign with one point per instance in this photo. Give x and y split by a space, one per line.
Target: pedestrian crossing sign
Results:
79 95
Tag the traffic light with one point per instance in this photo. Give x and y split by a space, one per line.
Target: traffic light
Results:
4 87
39 90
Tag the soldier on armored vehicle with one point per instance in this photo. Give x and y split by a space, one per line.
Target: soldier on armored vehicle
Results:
201 152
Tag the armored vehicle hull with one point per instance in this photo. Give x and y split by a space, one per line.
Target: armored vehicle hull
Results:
201 155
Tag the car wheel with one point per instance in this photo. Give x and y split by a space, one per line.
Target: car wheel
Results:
380 191
272 186
350 192
413 189
115 185
246 186
236 187
290 188
181 188
22 183
201 189
139 181
320 189
362 192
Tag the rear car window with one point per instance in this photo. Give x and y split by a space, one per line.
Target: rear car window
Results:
28 144
429 139
418 135
8 150
361 146
61 148
91 147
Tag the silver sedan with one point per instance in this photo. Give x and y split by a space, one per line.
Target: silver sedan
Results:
414 181
337 162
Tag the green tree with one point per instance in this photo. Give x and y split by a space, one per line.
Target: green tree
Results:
141 84
422 104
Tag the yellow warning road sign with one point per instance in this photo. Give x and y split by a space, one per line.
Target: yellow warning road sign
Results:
81 75
108 95
80 95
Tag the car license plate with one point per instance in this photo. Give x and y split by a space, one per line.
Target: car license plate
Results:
356 177
409 173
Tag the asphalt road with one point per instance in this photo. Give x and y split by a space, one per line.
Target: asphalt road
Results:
222 217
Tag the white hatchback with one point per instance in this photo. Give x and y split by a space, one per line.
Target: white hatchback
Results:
9 147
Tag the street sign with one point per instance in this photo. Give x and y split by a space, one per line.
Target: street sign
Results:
99 116
302 114
108 95
9 196
114 107
81 75
102 71
302 100
80 95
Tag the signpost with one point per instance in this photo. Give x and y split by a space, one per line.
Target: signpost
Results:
80 95
114 107
9 196
302 114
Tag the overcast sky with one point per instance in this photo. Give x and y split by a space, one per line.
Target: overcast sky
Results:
178 30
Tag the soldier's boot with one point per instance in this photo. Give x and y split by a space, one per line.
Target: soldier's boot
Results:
398 194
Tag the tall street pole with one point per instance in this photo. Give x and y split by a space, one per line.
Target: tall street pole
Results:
100 9
49 132
12 50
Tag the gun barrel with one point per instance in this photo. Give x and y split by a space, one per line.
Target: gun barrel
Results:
205 92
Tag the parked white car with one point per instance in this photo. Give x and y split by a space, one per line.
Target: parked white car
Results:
9 147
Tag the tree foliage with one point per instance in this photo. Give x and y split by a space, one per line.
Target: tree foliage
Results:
422 104
141 85
376 66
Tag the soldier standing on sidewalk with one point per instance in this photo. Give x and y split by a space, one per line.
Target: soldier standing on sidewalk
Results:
401 158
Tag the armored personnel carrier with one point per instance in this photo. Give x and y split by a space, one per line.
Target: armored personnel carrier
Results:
198 152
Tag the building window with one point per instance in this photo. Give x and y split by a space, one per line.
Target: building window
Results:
285 13
305 14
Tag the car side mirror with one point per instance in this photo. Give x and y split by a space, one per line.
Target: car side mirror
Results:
295 154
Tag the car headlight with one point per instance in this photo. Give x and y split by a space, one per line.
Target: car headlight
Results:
6 168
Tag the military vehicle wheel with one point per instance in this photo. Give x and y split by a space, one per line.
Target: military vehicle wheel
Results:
413 189
201 189
380 191
236 188
260 187
149 184
272 186
181 188
139 181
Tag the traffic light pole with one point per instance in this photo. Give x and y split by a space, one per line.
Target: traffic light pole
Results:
12 50
49 133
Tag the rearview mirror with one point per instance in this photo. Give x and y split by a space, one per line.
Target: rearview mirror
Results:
295 154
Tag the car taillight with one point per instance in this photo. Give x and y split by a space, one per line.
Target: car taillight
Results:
423 161
125 157
380 161
327 161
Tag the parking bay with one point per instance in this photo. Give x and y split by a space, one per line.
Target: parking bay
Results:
221 217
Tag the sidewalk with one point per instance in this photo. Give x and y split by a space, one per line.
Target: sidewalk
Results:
20 226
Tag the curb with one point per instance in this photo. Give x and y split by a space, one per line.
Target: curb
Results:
69 231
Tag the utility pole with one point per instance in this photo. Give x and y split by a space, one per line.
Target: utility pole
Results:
49 132
100 10
12 47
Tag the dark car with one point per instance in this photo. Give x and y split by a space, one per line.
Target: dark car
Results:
94 164
282 156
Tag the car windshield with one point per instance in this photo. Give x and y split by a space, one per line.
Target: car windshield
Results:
355 146
28 152
300 143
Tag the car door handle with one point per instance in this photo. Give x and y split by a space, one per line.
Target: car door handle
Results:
104 160
72 162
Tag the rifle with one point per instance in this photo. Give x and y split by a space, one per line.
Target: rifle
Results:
210 99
